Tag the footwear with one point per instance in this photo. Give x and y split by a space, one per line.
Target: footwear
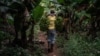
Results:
52 46
50 50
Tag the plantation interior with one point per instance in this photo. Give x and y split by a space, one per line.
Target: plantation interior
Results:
23 27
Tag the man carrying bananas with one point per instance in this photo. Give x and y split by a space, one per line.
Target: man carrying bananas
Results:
51 18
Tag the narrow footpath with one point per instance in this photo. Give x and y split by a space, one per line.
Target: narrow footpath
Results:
43 37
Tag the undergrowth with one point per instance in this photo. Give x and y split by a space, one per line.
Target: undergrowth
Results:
79 45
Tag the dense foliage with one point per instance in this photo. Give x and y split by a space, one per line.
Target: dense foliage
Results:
77 26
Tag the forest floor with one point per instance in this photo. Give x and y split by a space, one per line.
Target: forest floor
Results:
43 37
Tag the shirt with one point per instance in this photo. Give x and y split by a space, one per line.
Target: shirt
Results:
51 20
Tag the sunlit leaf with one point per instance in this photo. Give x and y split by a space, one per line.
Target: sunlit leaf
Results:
37 13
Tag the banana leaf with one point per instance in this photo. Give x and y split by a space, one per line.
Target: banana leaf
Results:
37 13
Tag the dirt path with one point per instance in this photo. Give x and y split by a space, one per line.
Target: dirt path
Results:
43 38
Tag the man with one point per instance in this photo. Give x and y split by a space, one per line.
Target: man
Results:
51 30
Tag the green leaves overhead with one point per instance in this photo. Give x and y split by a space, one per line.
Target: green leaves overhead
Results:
82 13
64 2
37 13
61 1
78 1
36 2
68 2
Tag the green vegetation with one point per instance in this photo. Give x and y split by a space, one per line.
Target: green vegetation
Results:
77 26
78 46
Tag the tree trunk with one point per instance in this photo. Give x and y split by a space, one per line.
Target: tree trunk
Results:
31 37
23 39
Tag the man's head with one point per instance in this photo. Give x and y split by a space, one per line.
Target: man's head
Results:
52 12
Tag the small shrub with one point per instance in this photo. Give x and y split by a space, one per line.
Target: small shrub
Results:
14 51
38 50
78 46
60 41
